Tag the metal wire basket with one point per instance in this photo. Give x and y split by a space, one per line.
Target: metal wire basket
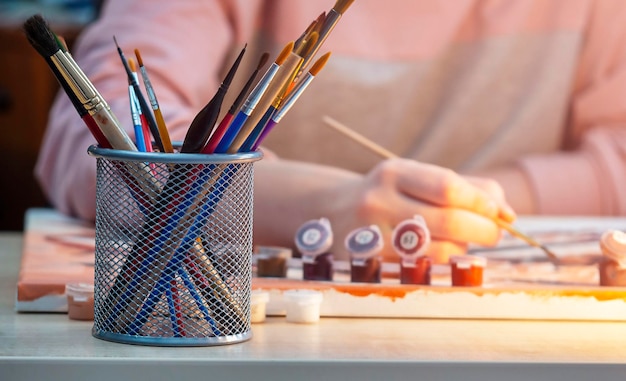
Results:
173 247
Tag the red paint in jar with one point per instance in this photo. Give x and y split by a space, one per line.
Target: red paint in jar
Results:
467 270
417 272
410 240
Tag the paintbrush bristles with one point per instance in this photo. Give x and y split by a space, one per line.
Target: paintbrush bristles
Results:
284 53
319 64
131 64
139 60
40 36
202 125
308 45
341 6
246 87
264 58
233 69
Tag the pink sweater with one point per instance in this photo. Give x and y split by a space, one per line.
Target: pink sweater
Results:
466 84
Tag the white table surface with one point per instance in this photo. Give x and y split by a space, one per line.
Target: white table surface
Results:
50 346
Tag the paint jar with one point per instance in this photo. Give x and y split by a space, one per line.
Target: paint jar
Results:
80 301
467 270
612 268
410 239
302 306
272 261
416 271
318 267
313 239
258 305
364 245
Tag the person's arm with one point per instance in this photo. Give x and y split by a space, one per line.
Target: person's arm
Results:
183 45
589 178
457 210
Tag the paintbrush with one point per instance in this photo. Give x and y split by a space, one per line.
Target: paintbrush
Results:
202 125
145 109
78 106
225 123
291 99
134 113
386 154
252 101
330 20
304 36
43 40
142 118
46 43
165 137
282 93
272 96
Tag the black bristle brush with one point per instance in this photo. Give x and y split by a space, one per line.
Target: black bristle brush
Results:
202 125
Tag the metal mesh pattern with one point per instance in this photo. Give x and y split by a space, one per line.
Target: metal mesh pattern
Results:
173 252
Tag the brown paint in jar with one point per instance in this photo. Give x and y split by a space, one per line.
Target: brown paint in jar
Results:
314 239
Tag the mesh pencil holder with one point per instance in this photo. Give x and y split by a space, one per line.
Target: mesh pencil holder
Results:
173 247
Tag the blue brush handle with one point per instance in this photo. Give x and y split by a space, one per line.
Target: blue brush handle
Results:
231 132
254 135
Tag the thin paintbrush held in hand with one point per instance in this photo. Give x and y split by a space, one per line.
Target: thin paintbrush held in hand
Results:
386 154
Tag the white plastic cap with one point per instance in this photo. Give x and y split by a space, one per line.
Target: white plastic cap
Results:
613 245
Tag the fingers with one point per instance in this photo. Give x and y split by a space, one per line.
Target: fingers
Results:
384 205
441 251
438 186
387 208
460 226
494 189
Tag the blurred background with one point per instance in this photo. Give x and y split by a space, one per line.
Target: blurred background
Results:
27 88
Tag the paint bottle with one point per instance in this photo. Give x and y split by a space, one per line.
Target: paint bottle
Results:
258 305
467 270
314 239
272 261
612 268
80 301
410 239
364 245
303 306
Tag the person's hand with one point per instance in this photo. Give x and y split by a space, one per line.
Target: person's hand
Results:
458 210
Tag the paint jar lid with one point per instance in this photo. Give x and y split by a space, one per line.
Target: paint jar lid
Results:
410 239
302 305
274 252
364 242
314 237
79 291
259 296
467 261
613 245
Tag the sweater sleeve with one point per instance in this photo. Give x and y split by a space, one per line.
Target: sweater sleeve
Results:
590 178
183 45
588 181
